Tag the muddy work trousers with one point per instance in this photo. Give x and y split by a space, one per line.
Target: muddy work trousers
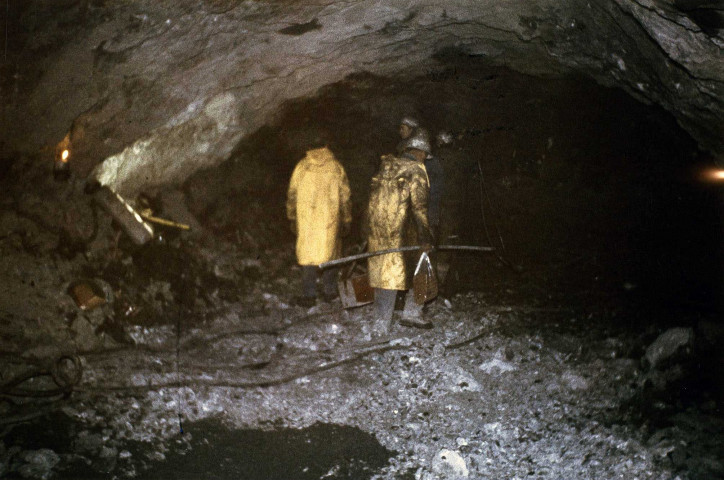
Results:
385 307
309 281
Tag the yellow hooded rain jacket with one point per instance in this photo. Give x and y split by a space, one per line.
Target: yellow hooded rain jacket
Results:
398 195
318 199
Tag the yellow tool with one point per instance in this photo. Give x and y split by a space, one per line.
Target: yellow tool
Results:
163 221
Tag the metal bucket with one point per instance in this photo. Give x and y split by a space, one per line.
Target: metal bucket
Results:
354 287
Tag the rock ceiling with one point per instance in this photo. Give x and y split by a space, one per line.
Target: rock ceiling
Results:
168 87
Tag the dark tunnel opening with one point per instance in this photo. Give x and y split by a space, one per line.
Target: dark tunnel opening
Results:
580 183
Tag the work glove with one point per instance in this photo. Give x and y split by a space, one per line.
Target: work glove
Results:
346 227
293 226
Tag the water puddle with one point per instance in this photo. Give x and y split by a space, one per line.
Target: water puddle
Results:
208 449
319 451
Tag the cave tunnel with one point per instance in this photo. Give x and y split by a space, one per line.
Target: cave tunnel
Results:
151 323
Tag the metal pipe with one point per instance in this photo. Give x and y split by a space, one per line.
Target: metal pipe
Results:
360 256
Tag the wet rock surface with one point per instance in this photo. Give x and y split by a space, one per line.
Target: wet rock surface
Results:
169 88
534 372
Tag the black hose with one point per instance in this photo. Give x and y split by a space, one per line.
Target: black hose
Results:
64 378
9 420
192 342
320 367
9 386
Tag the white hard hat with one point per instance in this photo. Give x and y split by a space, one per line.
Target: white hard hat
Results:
410 122
419 140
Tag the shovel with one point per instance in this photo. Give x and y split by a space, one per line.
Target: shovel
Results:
424 282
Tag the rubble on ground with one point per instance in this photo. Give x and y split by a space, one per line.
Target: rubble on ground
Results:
490 392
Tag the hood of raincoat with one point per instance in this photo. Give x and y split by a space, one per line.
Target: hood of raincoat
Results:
319 156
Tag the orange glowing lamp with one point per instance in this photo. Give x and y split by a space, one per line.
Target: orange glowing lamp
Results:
714 175
61 167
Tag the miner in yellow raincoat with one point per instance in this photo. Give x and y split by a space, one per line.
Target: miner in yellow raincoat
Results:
319 208
397 217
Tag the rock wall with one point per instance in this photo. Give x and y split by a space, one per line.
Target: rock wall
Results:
160 89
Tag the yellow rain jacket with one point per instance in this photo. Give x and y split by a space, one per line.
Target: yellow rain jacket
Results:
398 197
318 200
